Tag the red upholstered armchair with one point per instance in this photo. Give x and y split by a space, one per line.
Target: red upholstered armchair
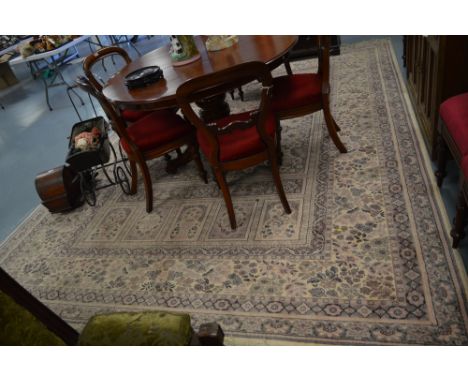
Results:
453 139
147 138
296 95
238 141
453 132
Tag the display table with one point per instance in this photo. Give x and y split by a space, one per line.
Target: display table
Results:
47 65
13 47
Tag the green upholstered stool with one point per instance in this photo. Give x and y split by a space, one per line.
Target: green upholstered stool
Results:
19 327
138 328
24 320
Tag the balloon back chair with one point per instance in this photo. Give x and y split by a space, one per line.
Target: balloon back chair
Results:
91 73
296 95
240 140
147 138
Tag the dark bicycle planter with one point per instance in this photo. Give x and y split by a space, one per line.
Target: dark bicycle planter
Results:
83 160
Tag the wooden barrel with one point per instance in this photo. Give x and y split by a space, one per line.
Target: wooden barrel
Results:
59 189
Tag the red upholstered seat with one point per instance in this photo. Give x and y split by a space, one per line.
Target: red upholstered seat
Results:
238 143
454 113
156 129
296 90
133 115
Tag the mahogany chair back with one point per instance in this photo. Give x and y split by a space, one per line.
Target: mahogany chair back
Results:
323 43
137 156
221 82
115 119
99 56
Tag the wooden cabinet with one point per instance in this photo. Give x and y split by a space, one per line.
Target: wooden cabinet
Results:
437 69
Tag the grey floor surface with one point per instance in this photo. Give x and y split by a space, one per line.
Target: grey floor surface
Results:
34 139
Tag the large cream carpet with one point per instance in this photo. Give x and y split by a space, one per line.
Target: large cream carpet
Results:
364 258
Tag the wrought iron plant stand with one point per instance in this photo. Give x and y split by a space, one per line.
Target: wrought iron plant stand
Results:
102 157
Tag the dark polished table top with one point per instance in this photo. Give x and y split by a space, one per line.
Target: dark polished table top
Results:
268 49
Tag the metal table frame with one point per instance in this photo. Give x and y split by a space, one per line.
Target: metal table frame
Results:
41 64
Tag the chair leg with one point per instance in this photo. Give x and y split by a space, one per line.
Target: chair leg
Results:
227 196
148 186
332 130
287 65
337 128
215 179
441 160
241 93
278 182
134 173
458 231
279 151
198 162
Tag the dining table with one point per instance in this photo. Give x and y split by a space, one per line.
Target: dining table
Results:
270 49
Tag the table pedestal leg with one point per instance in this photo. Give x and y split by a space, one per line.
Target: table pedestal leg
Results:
181 159
213 108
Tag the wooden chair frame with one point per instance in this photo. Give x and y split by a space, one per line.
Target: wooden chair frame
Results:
446 145
323 103
136 156
221 82
98 56
458 230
